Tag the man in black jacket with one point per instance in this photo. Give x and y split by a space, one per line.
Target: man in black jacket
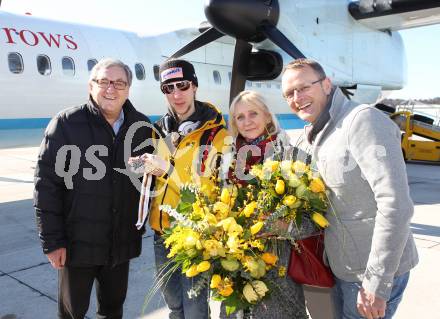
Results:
86 204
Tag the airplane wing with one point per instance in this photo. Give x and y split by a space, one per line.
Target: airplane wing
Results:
395 15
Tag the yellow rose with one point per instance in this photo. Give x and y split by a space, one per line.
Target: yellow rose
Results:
257 172
210 219
208 189
299 167
289 200
190 241
256 227
213 248
286 167
320 220
280 187
192 271
317 185
233 244
215 281
203 266
294 181
221 209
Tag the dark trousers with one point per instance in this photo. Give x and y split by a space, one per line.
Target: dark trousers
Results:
75 287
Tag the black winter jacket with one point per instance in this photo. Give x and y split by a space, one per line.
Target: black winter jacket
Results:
94 216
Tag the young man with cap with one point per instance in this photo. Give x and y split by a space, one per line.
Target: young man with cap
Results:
194 133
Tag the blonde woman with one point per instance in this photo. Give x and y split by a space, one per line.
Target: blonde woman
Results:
258 136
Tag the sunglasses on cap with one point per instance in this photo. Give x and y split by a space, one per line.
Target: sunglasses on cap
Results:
169 88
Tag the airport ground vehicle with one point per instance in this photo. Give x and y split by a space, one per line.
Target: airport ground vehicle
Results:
420 138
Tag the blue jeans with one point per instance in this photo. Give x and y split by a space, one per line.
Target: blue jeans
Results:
175 289
344 296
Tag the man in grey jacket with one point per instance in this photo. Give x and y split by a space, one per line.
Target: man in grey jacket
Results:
369 245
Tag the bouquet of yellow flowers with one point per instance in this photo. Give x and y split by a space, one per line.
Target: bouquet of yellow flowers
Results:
290 190
220 233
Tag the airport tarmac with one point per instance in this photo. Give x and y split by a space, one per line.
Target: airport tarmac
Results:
28 284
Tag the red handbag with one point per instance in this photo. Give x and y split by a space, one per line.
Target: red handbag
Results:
306 264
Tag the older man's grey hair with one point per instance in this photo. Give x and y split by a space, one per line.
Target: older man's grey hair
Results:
108 63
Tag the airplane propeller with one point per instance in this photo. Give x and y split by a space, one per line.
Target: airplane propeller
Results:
248 21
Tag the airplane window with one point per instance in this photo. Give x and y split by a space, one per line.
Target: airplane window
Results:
91 63
15 62
230 76
140 71
68 66
217 77
43 65
156 72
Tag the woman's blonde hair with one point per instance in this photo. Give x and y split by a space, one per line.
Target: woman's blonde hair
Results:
257 100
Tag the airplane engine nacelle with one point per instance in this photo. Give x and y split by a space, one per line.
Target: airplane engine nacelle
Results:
264 65
242 18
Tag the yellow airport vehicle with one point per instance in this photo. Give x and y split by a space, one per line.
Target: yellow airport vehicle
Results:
420 138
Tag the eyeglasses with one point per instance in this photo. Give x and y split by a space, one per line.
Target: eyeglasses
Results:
169 88
305 89
105 83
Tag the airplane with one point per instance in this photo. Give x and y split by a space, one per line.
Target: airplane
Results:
45 64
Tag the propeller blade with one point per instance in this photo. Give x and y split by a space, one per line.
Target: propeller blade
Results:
242 53
277 37
206 37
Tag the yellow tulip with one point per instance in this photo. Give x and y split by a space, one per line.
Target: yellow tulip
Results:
203 266
317 185
289 200
249 209
320 220
280 187
269 258
225 197
192 271
256 227
215 281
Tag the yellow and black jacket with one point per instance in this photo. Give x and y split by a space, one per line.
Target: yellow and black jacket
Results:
191 156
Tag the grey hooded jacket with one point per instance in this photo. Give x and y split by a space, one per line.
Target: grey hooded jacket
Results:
359 157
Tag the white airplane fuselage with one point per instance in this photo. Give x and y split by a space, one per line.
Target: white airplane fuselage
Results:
29 97
366 55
